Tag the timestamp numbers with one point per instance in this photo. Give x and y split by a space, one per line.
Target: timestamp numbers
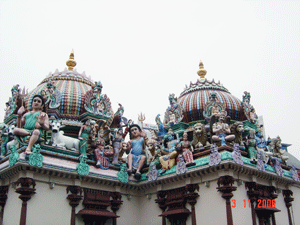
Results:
261 203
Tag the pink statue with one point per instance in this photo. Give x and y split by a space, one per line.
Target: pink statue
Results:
102 161
187 149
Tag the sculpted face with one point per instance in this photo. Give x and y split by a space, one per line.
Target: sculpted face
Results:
135 132
240 128
37 103
150 146
198 129
185 138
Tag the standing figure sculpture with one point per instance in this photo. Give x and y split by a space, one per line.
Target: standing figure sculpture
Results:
117 139
102 161
251 142
169 151
137 156
221 129
32 123
83 136
186 148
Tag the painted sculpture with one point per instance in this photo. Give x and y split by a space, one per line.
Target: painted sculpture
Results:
249 110
31 124
215 156
213 106
101 159
122 151
83 136
186 148
275 147
251 143
237 130
116 142
53 96
60 140
199 136
221 129
169 151
173 114
181 165
137 156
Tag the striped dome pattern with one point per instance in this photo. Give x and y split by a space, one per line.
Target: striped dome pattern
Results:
194 98
72 88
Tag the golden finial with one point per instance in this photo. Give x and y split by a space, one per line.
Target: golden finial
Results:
71 62
201 72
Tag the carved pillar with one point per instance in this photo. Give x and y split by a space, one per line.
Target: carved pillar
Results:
161 201
225 186
26 190
252 194
74 198
288 203
191 196
115 204
3 198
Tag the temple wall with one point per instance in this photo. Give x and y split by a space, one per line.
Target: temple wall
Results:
51 206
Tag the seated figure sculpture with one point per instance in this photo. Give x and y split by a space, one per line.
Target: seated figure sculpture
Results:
221 129
32 123
137 156
169 151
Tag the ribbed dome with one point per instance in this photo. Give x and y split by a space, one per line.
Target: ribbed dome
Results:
194 98
72 87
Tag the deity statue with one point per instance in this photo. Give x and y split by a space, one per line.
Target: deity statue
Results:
14 102
221 129
31 124
151 147
275 147
251 142
137 155
102 161
169 151
117 139
261 145
53 96
83 136
161 129
186 148
97 103
249 110
213 106
174 113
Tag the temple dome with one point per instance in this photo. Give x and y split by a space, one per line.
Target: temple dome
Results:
194 98
71 87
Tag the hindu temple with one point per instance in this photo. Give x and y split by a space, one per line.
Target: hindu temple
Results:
67 152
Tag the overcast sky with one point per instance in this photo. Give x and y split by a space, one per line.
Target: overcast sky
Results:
143 50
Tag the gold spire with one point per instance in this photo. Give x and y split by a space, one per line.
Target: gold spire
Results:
201 72
71 62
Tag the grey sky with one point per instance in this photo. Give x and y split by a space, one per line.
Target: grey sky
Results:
143 50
